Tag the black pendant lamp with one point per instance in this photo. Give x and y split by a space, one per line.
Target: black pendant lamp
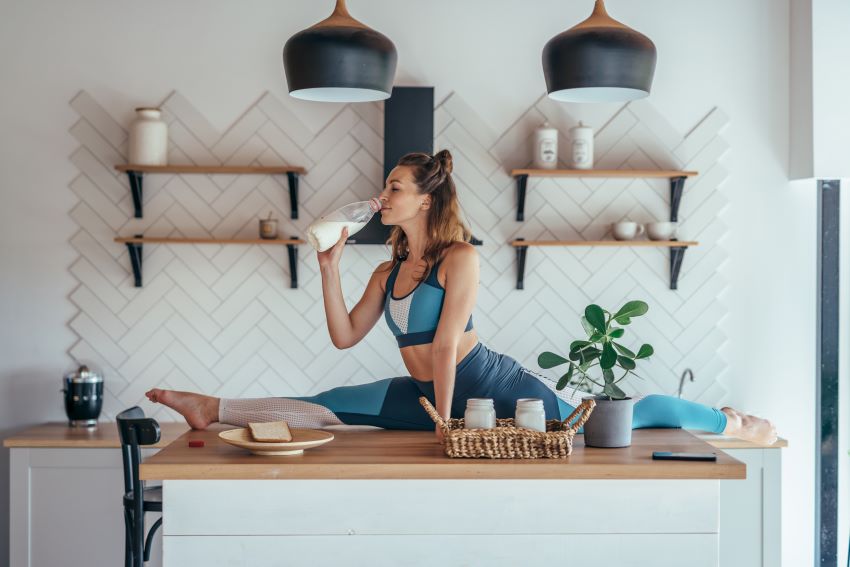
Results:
599 60
339 60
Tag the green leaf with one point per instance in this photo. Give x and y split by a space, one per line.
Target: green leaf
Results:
623 350
596 337
589 354
626 363
608 374
629 310
615 391
588 328
575 345
596 317
565 379
550 359
616 333
645 351
609 356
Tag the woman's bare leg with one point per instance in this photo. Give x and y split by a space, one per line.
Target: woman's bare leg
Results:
199 410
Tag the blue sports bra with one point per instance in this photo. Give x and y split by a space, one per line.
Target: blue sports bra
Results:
413 318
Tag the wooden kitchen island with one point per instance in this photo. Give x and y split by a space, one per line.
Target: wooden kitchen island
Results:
378 497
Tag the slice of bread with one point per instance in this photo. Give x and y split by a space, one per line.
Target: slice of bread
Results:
270 432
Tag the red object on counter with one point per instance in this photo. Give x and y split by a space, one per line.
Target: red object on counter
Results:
196 443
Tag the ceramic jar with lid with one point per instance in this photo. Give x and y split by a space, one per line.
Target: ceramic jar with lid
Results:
546 147
581 140
530 414
480 414
148 142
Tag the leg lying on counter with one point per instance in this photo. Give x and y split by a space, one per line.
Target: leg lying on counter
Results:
392 403
667 411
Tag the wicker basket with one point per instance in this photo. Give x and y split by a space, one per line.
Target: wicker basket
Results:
507 441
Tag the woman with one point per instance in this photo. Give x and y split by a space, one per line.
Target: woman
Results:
427 293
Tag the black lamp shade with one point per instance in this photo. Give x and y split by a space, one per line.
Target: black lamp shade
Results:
339 64
599 64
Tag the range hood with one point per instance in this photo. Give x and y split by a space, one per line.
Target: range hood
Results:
408 127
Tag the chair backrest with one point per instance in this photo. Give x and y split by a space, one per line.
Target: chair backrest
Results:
135 430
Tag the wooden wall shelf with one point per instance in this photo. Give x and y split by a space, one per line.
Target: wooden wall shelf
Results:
136 172
677 182
677 252
135 244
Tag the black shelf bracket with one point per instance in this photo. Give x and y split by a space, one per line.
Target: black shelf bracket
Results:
135 250
292 177
136 189
677 185
521 183
292 252
677 254
520 257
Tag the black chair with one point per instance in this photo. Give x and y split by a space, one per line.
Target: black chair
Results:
136 430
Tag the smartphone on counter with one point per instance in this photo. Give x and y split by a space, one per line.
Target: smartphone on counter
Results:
671 456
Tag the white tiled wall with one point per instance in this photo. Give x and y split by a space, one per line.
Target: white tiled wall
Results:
223 320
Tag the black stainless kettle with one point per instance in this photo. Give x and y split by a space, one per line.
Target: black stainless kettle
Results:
83 397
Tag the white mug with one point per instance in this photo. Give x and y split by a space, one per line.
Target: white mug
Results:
626 230
661 230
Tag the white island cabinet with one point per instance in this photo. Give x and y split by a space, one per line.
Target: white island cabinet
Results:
389 498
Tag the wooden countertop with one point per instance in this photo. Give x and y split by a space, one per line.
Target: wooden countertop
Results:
385 454
104 436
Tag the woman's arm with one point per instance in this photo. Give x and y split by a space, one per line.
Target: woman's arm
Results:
347 329
462 273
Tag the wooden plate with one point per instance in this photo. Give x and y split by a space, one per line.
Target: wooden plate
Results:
301 439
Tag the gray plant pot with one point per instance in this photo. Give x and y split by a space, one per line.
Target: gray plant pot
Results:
610 423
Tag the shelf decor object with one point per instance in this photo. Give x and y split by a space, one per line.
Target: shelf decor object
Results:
599 60
148 141
677 182
135 244
677 252
135 172
339 60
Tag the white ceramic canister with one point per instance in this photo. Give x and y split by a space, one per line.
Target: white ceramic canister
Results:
148 138
480 414
530 414
581 138
546 147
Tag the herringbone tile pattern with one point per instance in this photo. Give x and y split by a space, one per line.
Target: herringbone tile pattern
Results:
223 320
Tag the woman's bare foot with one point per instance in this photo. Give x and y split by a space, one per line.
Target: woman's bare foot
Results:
749 427
199 410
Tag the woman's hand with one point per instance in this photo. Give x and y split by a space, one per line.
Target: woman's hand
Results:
330 257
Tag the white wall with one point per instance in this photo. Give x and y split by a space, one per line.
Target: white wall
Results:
222 55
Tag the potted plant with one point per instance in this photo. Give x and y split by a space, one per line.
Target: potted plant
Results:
610 424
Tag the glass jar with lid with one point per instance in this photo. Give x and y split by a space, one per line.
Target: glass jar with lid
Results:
530 414
480 414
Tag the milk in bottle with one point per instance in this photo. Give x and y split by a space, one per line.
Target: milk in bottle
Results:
325 231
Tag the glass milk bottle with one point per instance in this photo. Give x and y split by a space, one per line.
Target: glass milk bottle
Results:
480 414
530 414
325 231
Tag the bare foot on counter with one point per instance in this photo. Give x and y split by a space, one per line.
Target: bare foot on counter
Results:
199 410
748 427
